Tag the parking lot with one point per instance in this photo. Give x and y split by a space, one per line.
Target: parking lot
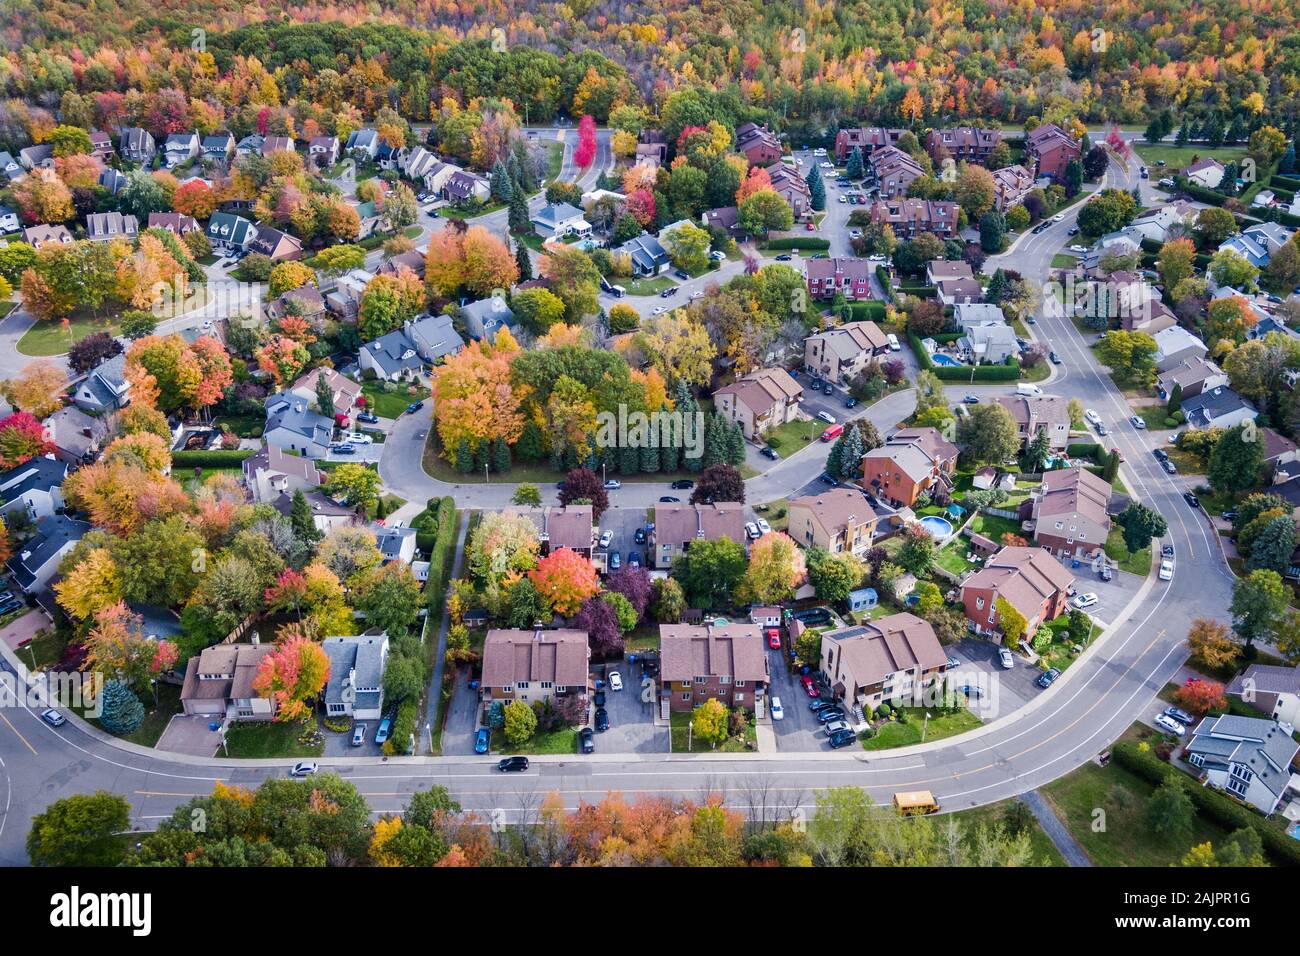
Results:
1001 691
623 522
1112 595
631 718
362 453
799 731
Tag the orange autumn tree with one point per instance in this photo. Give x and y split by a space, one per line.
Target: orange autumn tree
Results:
564 579
118 647
474 261
291 675
474 397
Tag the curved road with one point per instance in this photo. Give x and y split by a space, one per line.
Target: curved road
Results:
1108 688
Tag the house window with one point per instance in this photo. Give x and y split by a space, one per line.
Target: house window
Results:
1196 760
523 685
508 689
979 604
1237 786
740 683
547 685
686 696
1242 772
724 678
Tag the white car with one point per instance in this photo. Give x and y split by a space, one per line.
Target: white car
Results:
658 310
605 538
615 681
1165 722
1078 248
697 295
763 526
751 530
304 768
358 438
717 256
1058 217
1166 570
819 151
1092 417
1005 659
1084 601
613 485
826 165
827 417
778 712
855 233
843 199
208 325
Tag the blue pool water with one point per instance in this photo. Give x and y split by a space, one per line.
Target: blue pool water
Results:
939 528
938 358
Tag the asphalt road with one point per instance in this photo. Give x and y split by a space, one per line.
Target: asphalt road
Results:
1059 729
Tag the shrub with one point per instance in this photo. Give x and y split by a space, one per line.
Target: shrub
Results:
210 459
122 711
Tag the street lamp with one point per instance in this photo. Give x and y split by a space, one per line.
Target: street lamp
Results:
690 729
925 726
428 729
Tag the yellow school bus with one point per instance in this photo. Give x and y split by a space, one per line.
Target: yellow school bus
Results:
916 801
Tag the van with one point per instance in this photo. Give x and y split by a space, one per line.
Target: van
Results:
1025 388
894 345
832 433
617 291
915 801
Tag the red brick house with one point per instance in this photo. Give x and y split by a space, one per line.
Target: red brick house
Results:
868 139
1051 149
758 144
1030 579
914 461
726 662
911 217
826 277
1069 513
966 144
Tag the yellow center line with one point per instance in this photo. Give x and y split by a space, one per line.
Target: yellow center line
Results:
18 735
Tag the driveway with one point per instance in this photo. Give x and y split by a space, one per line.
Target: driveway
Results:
21 630
461 720
623 522
1002 691
190 735
798 731
363 454
631 717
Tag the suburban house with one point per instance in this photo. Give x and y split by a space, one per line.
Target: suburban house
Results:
36 564
37 157
969 315
840 353
486 317
1010 185
230 233
343 391
789 184
219 683
413 260
278 144
218 147
766 616
912 462
323 150
761 400
1280 455
345 299
461 187
560 527
112 180
1250 757
532 665
136 145
911 217
326 513
76 435
724 218
836 520
290 424
364 142
107 226
369 219
1051 149
649 257
305 302
10 167
395 542
1176 344
105 388
865 139
829 277
272 472
1257 243
180 148
250 145
960 291
1219 407
943 270
677 525
988 343
963 144
1206 172
723 662
275 245
894 171
1156 224
101 145
893 658
1194 375
1035 413
8 220
434 337
176 223
34 487
757 144
1029 579
42 234
1270 688
1070 513
356 683
392 357
559 219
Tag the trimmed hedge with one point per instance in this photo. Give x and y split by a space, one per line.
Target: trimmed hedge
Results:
1285 181
1214 805
872 309
1083 449
983 373
920 291
440 556
217 458
882 276
799 242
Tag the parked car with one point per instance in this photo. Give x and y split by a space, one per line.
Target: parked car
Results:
482 740
414 407
1228 515
810 688
8 607
828 479
971 399
1005 658
513 764
682 274
587 740
778 712
639 536
842 738
383 731
1166 570
763 526
783 258
303 768
602 720
850 402
1078 248
1191 499
606 538
827 714
952 663
1105 573
613 484
615 561
358 735
53 718
343 449
836 726
1167 551
369 418
615 681
1048 677
774 638
1180 715
768 452
751 530
1160 454
357 438
683 483
634 559
1084 601
669 500
1169 467
1168 724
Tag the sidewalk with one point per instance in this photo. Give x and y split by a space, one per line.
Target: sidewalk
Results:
1055 830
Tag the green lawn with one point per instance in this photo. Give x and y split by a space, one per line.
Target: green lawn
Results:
790 437
42 651
1121 837
1154 416
952 556
993 527
270 739
1185 461
644 638
51 338
680 731
391 404
245 426
1176 157
562 741
651 286
7 306
155 719
1117 551
897 734
1044 850
192 483
554 159
1064 260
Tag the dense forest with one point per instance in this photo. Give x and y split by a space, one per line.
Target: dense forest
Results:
807 67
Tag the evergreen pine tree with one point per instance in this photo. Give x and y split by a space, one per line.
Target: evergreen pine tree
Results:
525 177
517 216
835 460
121 711
500 455
524 262
649 458
735 445
324 396
529 446
715 442
1184 133
851 459
670 457
1287 163
816 190
464 458
1175 398
502 187
855 169
300 518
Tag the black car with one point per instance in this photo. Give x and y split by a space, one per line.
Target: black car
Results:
683 483
829 480
827 714
368 417
669 500
1160 453
1073 231
599 698
1167 551
842 738
513 764
782 258
1047 678
638 537
343 449
586 740
1228 515
602 720
850 402
1191 499
414 407
768 452
820 704
682 274
1055 359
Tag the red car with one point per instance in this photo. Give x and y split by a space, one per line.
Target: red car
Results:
812 227
774 638
808 685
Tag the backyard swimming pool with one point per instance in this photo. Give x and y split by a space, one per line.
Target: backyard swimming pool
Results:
939 528
938 358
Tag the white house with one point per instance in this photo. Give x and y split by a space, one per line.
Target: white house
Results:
1175 344
1218 408
1205 172
558 219
1272 689
1248 756
356 683
34 487
179 148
